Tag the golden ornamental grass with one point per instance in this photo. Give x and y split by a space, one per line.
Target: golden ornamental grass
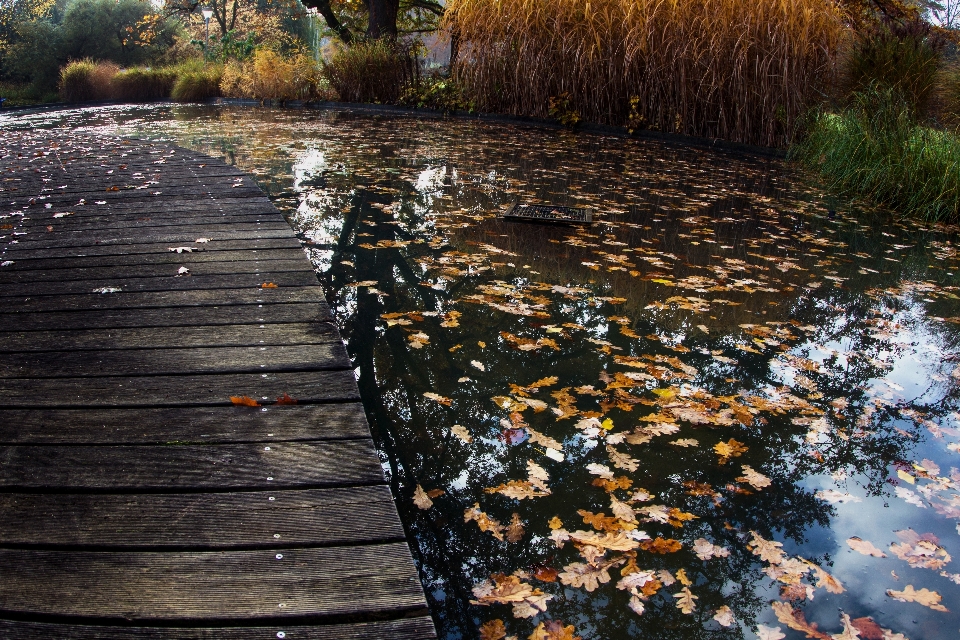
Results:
731 69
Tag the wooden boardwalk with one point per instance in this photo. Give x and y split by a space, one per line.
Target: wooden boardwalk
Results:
142 285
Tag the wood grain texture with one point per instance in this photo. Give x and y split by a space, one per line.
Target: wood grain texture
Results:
133 315
41 252
276 423
182 467
173 361
165 256
223 298
163 270
197 521
171 282
172 391
224 585
162 337
417 628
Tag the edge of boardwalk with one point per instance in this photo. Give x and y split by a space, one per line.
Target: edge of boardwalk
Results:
143 286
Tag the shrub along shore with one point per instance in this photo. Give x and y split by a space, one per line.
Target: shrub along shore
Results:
873 109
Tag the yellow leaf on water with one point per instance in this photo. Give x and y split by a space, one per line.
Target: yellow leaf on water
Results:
685 600
925 597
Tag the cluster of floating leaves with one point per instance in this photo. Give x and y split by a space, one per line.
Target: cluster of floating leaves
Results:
632 427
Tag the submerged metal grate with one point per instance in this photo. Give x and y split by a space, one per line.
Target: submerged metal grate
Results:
545 213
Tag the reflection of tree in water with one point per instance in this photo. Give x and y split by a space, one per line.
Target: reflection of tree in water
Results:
414 437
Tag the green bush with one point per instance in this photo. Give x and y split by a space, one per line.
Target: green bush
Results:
376 71
436 92
904 57
86 80
143 84
197 84
876 149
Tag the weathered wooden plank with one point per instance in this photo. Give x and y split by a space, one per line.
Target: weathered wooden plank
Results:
196 425
175 361
302 584
417 628
215 233
34 317
74 223
173 391
164 270
165 256
187 467
248 296
113 249
300 278
199 521
165 337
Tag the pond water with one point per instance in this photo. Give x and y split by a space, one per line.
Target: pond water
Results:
727 409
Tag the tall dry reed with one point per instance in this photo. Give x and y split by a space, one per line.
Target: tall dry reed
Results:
743 71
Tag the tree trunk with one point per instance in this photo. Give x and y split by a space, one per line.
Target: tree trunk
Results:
383 19
323 8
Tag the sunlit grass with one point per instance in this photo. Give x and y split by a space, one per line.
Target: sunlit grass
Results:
737 70
875 149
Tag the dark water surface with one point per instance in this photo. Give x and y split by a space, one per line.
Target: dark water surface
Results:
697 418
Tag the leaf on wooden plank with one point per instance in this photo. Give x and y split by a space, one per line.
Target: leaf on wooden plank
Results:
925 597
245 401
268 285
182 249
421 499
202 240
865 547
286 398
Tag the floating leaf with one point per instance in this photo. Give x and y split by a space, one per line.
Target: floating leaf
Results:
925 597
865 547
421 499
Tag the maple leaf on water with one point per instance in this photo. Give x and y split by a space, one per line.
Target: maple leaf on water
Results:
729 449
769 633
421 499
515 529
865 547
925 597
795 619
437 398
755 479
724 616
706 549
578 574
685 600
553 630
519 490
612 541
485 522
493 630
920 551
768 550
245 401
661 545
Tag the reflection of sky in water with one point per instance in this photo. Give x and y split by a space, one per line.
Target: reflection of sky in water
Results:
706 274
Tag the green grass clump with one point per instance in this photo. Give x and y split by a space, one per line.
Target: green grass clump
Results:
143 84
86 80
875 148
197 83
